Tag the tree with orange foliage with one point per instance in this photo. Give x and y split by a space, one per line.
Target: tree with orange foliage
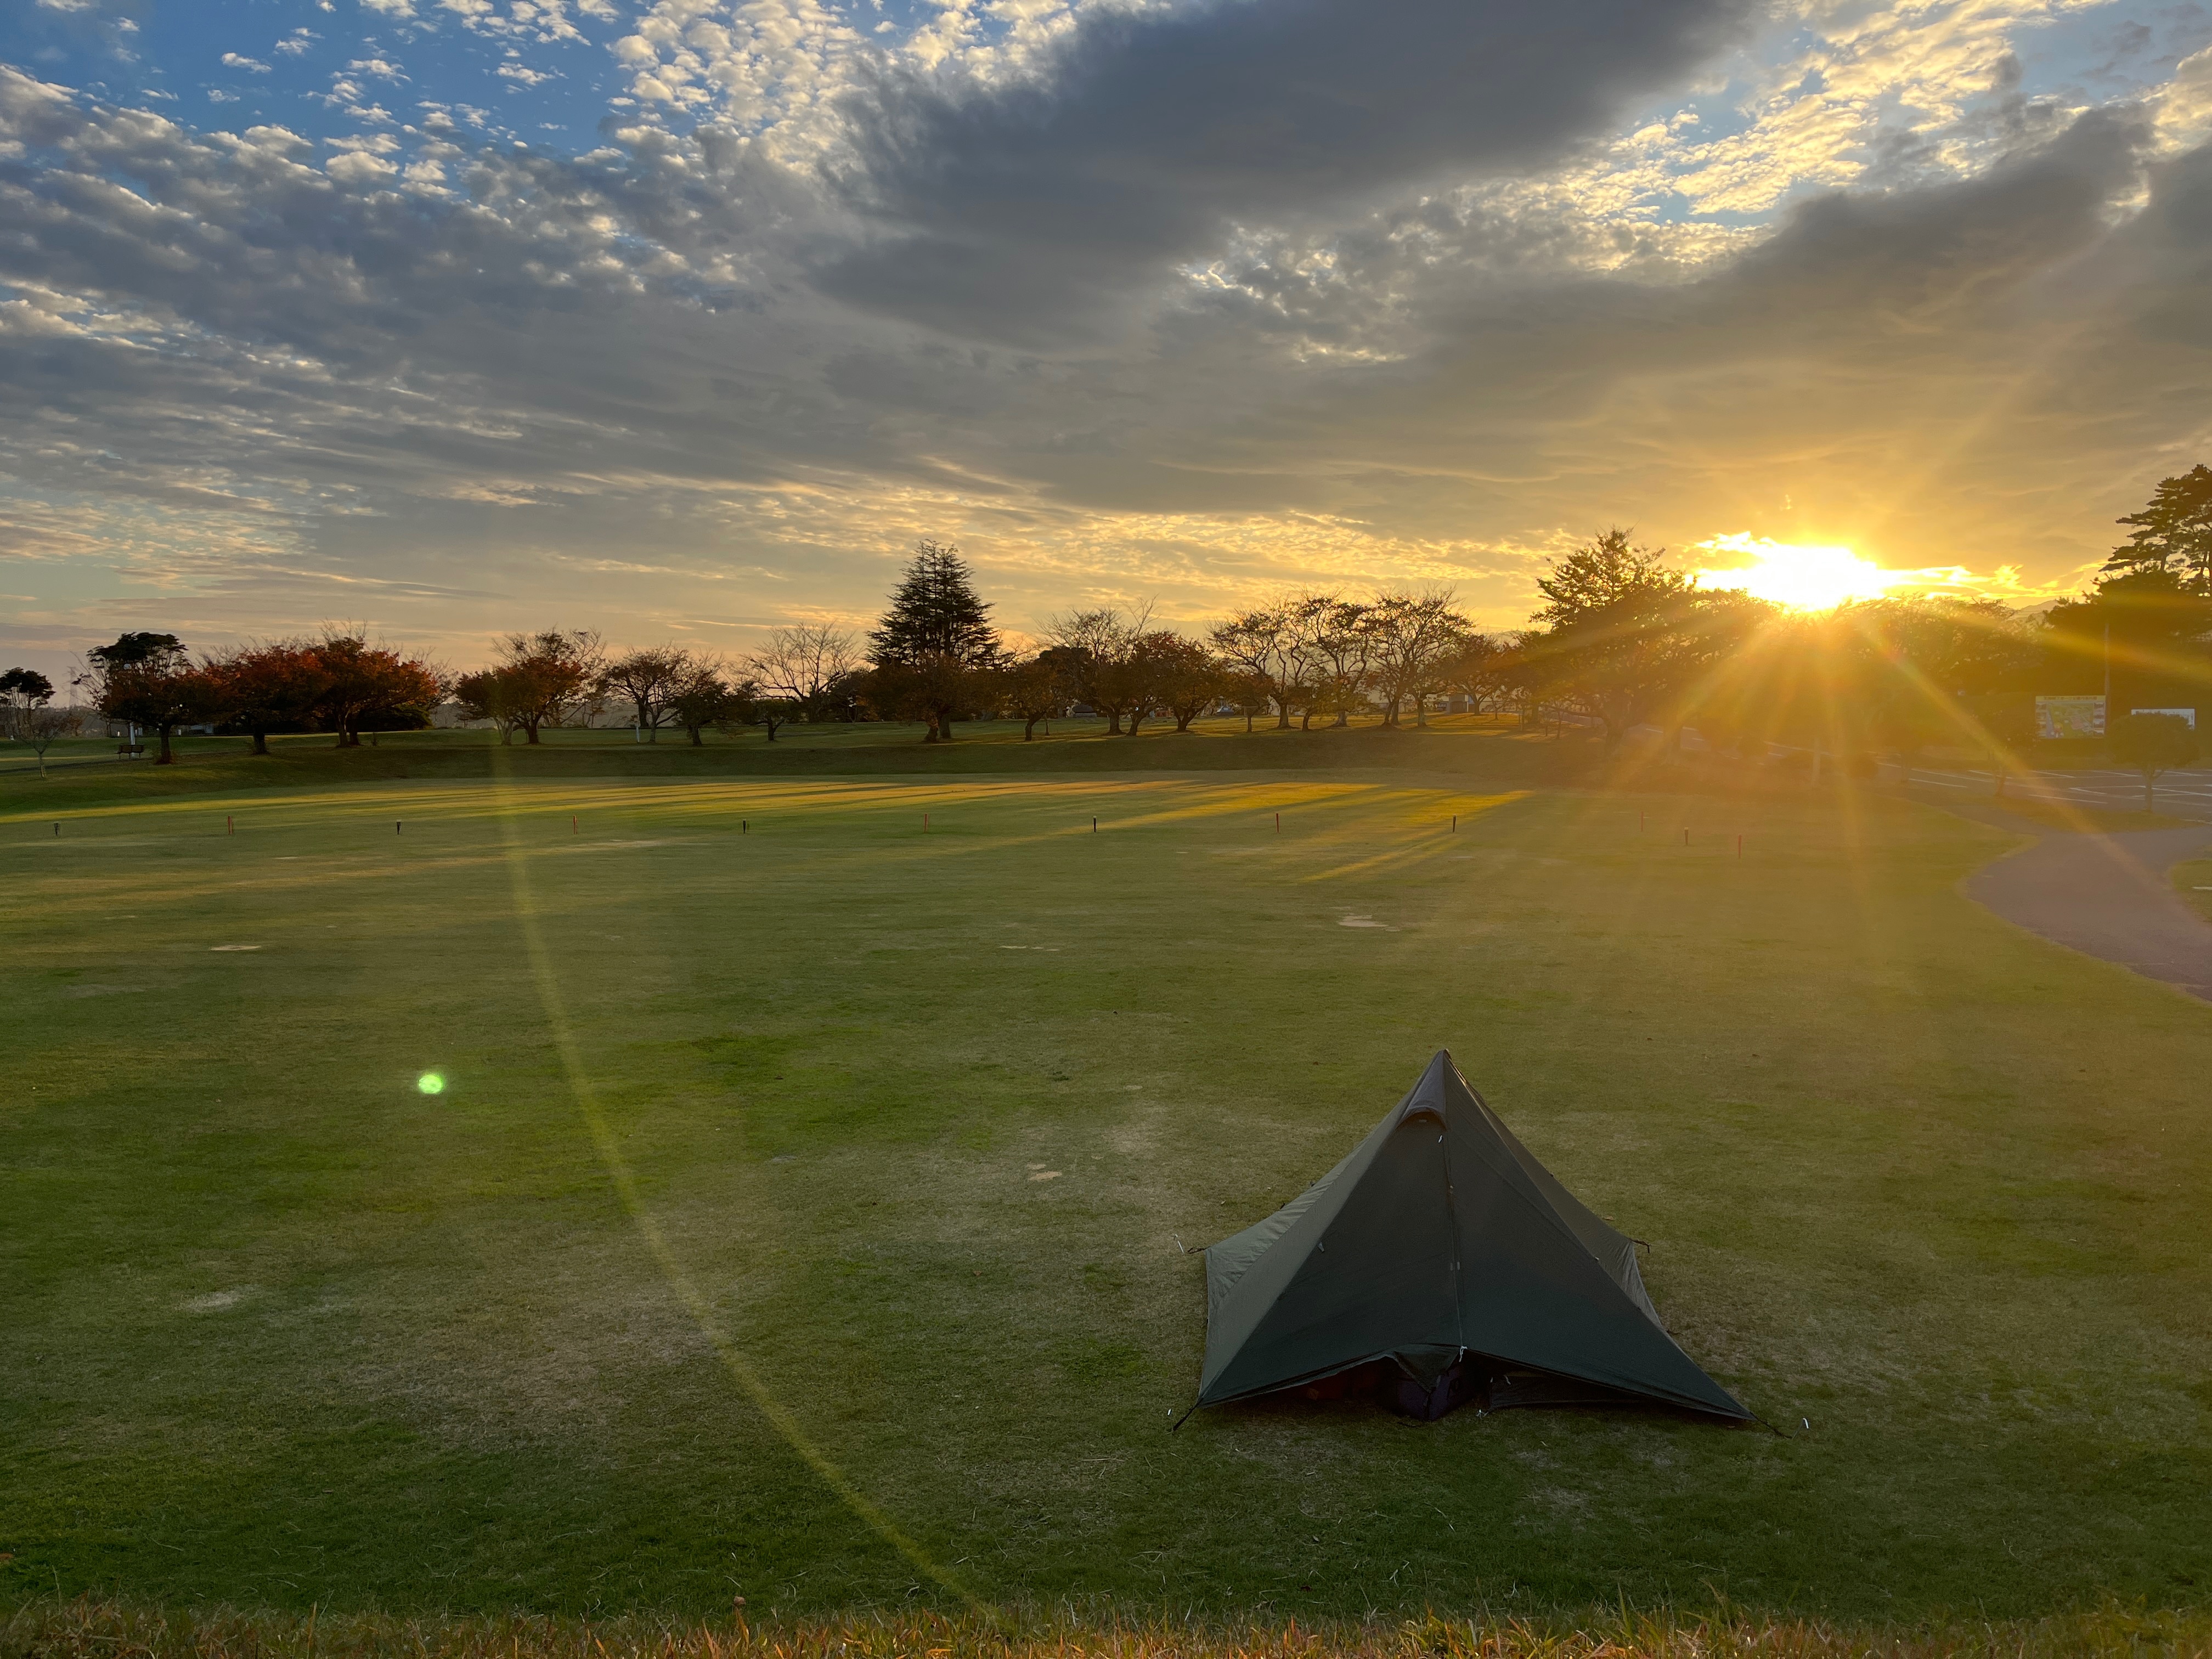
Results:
269 687
363 682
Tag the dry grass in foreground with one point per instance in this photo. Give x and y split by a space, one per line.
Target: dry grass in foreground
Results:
97 1629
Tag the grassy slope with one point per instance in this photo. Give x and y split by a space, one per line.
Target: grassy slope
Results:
284 1330
87 770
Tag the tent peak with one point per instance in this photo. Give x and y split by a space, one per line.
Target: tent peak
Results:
1440 1084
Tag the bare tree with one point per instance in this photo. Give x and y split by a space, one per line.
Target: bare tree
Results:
1103 650
805 664
38 727
1414 636
1280 641
1343 643
651 680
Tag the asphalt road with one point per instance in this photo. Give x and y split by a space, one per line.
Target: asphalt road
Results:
2184 794
2105 896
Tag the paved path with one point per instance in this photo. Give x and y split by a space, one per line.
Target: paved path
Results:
2105 896
2183 794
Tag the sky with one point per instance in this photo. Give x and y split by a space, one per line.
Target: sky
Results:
684 319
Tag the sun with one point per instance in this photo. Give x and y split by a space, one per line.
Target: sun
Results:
1801 577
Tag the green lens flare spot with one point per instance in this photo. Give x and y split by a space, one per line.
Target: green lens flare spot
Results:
431 1083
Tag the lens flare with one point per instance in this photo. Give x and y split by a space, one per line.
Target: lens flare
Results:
431 1083
1804 577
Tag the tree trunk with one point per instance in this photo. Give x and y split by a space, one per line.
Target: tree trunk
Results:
1029 732
698 742
1113 722
260 743
1247 722
1282 715
1136 719
165 758
1420 710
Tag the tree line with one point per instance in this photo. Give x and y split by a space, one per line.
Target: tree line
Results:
1620 640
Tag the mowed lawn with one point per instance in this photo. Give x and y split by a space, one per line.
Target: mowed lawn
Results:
799 1218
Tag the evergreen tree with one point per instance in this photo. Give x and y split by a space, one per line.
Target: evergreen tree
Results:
935 645
2174 532
934 613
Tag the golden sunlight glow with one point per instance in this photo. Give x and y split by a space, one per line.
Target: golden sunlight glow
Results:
1801 577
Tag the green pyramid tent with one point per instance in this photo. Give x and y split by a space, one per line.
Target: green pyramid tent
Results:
1445 1251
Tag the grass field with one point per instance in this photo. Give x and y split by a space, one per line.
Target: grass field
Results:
799 1217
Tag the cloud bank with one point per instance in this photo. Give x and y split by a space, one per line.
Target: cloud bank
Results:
1135 300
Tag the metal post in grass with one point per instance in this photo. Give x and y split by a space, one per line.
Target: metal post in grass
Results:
395 826
229 824
1279 824
1094 826
1686 837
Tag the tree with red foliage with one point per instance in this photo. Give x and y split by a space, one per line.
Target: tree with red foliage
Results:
363 682
269 687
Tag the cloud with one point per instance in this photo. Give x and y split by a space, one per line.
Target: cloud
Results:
1021 211
237 60
1180 303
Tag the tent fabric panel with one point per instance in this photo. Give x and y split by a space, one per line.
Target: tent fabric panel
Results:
1246 1272
1227 1262
1614 1250
1531 1295
1380 1278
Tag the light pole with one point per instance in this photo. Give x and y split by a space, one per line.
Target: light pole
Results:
2105 723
